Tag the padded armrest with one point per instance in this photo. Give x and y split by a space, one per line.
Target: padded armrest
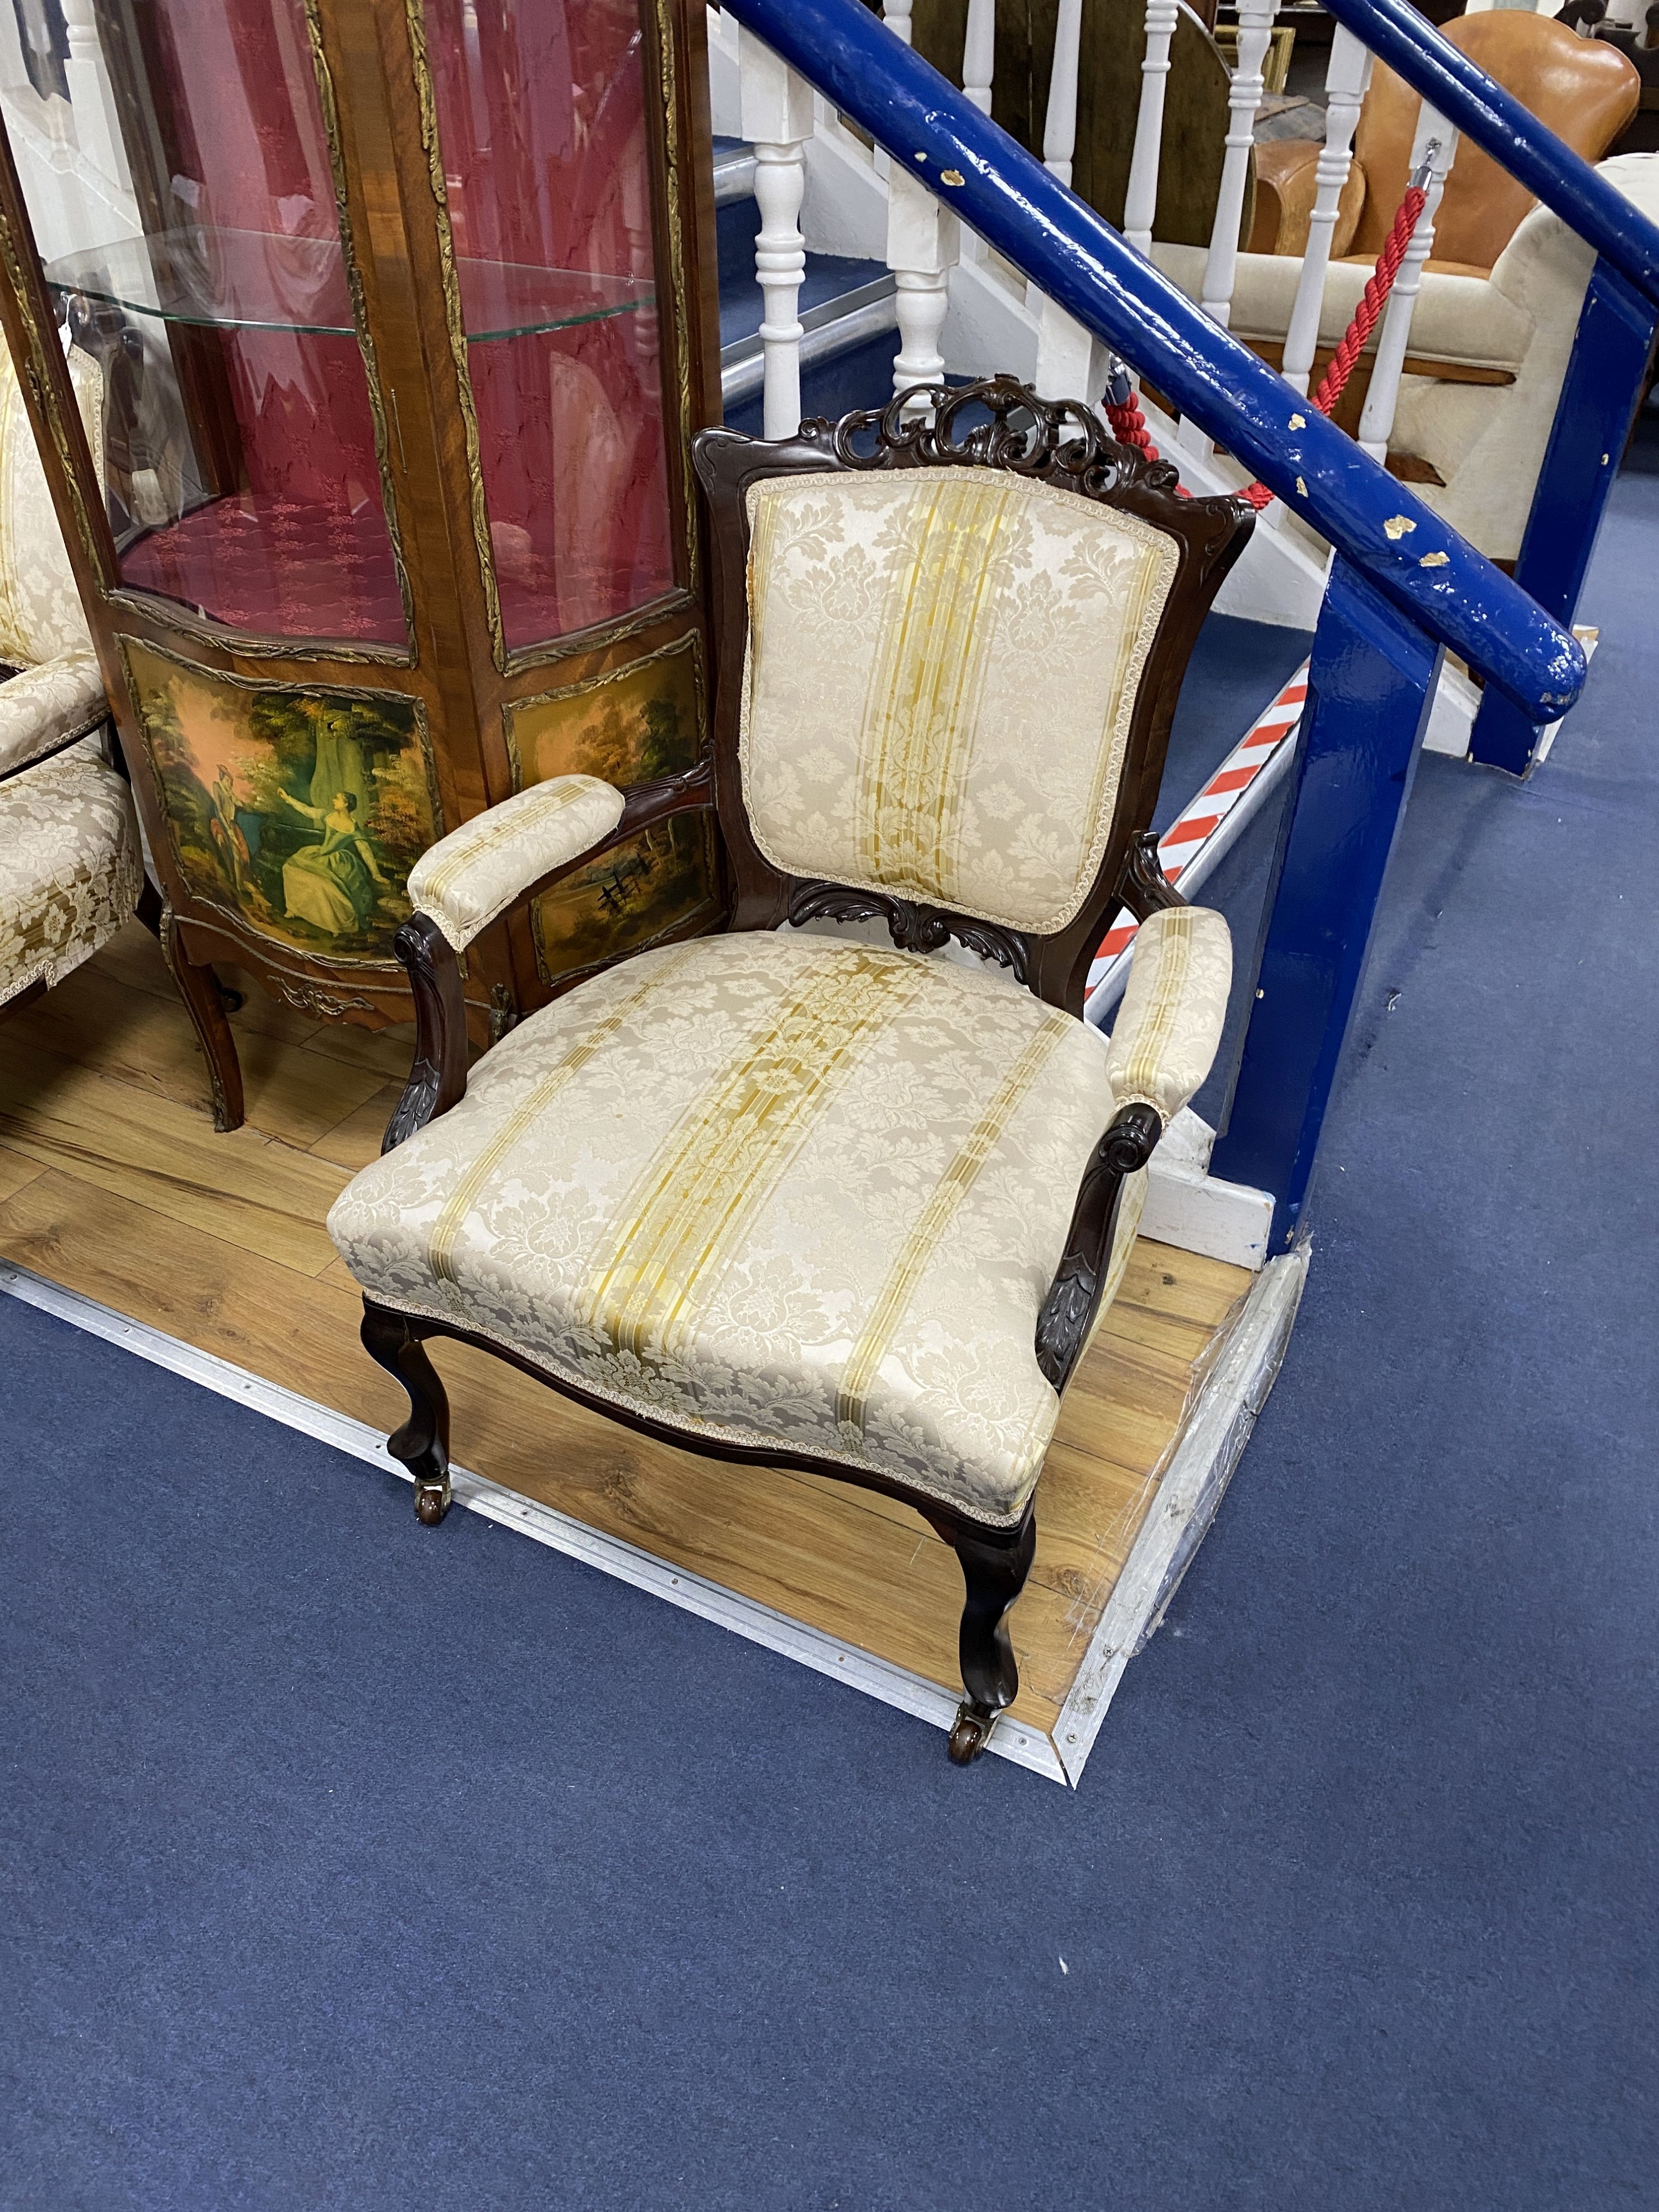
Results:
468 878
1173 1010
44 706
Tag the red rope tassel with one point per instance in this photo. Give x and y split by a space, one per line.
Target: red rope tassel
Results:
1129 424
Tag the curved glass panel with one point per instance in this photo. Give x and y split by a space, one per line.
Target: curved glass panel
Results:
182 196
541 122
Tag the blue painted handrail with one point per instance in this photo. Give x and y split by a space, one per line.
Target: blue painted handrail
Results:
1417 561
1511 133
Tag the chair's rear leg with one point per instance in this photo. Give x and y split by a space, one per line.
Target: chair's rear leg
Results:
995 1566
422 1442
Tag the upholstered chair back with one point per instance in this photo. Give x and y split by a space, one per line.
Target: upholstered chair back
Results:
41 614
942 669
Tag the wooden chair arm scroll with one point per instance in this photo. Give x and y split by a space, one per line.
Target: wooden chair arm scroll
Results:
437 1079
1068 1311
1161 1047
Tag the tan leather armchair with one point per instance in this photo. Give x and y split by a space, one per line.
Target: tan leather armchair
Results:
1585 90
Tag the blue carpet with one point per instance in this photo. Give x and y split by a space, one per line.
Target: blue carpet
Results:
348 1864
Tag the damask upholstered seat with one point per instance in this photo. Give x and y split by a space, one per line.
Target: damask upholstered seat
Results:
69 868
783 1194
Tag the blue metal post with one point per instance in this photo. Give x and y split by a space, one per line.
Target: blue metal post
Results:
1369 690
1598 401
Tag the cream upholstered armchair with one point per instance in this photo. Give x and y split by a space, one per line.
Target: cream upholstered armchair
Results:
70 872
780 1195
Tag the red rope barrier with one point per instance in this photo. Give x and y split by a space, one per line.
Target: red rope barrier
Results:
1129 424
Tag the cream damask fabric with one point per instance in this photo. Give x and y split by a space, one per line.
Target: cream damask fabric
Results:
39 707
942 667
1174 1008
70 870
475 874
772 1189
41 612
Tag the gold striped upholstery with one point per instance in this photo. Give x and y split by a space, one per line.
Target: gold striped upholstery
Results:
942 668
777 1190
1170 1022
468 878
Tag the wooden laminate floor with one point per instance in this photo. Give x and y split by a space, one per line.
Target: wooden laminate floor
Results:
114 1183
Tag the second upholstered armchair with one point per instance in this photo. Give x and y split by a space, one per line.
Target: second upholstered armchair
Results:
783 1194
70 872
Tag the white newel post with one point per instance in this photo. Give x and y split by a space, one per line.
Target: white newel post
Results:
922 244
777 118
1140 200
1436 143
1255 24
1345 80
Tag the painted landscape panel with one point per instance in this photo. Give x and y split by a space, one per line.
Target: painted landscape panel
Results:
628 726
301 809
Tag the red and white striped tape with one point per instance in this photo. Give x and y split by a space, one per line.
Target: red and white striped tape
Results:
1198 823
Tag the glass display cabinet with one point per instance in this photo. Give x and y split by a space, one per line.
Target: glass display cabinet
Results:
364 342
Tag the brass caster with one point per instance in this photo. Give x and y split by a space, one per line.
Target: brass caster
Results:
969 1734
431 1503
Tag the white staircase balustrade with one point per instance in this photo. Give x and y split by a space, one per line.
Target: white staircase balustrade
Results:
1060 119
1435 144
1346 77
923 241
896 14
1255 25
978 53
777 120
1066 365
1140 200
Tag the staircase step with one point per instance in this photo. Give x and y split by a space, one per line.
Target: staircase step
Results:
860 375
855 303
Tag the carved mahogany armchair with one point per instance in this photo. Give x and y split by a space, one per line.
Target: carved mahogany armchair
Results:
780 1195
70 873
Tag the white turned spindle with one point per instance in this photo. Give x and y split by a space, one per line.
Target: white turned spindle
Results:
1140 200
922 245
92 96
777 120
978 53
1436 143
895 14
1346 81
1059 123
1255 24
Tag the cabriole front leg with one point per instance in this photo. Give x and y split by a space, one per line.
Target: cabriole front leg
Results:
422 1442
994 1565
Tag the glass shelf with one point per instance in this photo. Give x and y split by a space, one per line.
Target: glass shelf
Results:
241 280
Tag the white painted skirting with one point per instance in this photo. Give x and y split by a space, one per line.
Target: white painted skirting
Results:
1199 1470
1216 1430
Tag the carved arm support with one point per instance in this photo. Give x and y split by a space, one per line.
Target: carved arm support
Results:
1160 1052
459 886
